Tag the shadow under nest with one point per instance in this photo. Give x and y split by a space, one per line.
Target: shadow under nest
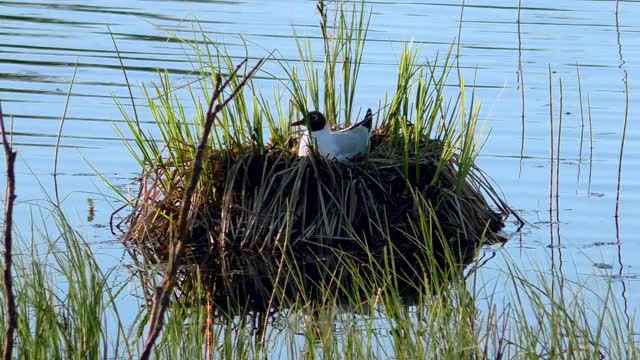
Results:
262 201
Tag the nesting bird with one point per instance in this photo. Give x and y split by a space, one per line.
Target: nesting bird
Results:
345 144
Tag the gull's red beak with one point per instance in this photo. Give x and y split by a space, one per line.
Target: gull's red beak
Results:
297 123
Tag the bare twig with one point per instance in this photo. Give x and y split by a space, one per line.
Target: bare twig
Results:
10 306
163 292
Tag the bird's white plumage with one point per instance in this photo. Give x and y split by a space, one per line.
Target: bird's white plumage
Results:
342 145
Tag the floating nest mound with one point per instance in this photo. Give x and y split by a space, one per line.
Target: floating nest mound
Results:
263 200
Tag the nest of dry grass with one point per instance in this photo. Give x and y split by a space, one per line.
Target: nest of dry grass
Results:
265 200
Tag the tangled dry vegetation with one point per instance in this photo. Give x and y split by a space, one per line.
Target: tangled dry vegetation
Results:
258 201
215 189
417 185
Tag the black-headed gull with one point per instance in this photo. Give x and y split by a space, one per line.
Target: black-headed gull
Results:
345 144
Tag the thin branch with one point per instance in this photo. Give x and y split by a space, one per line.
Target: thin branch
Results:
10 305
163 292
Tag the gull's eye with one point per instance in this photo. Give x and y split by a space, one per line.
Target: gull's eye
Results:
314 117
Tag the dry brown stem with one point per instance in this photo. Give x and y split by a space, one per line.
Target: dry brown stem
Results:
163 293
10 306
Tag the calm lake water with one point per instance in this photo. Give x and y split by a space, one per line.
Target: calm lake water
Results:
41 43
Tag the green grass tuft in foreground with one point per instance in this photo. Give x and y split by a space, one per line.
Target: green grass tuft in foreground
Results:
331 303
338 306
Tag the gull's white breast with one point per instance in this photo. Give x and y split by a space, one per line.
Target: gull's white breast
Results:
341 145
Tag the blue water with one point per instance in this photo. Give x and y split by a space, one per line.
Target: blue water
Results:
41 43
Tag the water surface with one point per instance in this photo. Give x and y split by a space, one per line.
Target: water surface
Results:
41 44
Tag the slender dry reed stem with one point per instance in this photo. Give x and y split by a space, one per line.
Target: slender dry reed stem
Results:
626 108
590 144
581 122
273 293
209 327
558 156
59 137
10 304
624 136
557 196
521 78
551 175
163 293
551 145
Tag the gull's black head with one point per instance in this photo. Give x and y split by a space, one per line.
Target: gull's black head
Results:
314 121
